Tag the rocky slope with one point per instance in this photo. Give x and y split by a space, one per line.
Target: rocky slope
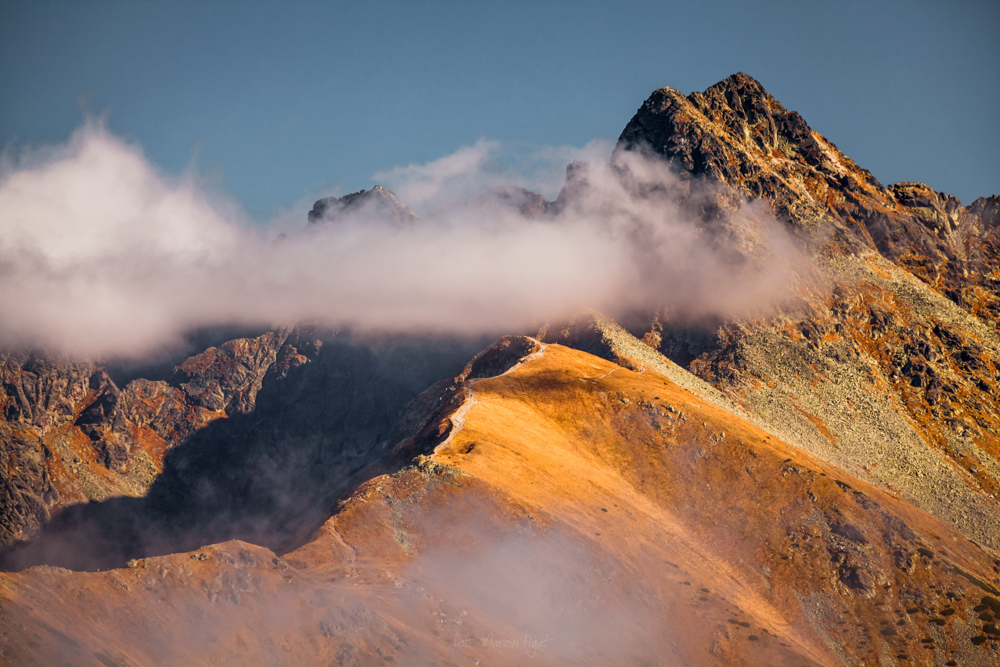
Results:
253 438
886 363
70 435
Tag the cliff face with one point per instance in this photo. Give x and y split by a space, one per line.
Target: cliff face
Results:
71 435
962 258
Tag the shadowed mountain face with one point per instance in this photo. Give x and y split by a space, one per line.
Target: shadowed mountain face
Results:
812 485
255 439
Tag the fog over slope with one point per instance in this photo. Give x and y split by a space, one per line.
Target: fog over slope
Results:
103 255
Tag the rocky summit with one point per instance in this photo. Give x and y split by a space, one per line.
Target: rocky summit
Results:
377 204
814 483
738 136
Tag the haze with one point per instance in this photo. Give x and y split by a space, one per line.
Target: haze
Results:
102 255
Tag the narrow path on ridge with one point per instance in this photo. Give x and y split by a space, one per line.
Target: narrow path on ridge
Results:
458 417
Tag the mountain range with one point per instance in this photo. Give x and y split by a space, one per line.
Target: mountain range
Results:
810 482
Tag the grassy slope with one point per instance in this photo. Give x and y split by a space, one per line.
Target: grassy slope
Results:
612 511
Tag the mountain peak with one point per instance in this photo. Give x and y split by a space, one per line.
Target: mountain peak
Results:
745 84
737 134
377 204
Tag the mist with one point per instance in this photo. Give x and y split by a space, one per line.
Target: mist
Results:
456 179
102 255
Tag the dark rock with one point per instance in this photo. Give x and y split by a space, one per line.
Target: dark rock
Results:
737 135
259 437
367 206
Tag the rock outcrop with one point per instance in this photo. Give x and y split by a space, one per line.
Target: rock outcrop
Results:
366 206
961 256
71 435
252 439
736 134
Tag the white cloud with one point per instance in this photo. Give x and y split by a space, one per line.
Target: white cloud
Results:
102 255
471 170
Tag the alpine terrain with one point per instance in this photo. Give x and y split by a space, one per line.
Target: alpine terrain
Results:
812 481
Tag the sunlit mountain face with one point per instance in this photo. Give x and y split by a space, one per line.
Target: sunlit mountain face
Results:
726 399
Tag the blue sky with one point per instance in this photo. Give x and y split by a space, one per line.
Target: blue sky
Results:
282 102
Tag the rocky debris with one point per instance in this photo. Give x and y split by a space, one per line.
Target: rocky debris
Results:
886 378
377 205
852 575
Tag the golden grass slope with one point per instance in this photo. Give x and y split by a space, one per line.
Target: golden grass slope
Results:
583 513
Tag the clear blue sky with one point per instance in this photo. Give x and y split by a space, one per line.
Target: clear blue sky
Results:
288 100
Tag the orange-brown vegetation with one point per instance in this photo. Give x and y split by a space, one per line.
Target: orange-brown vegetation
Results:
634 520
813 485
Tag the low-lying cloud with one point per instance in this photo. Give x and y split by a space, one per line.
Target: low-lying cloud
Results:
102 255
455 179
